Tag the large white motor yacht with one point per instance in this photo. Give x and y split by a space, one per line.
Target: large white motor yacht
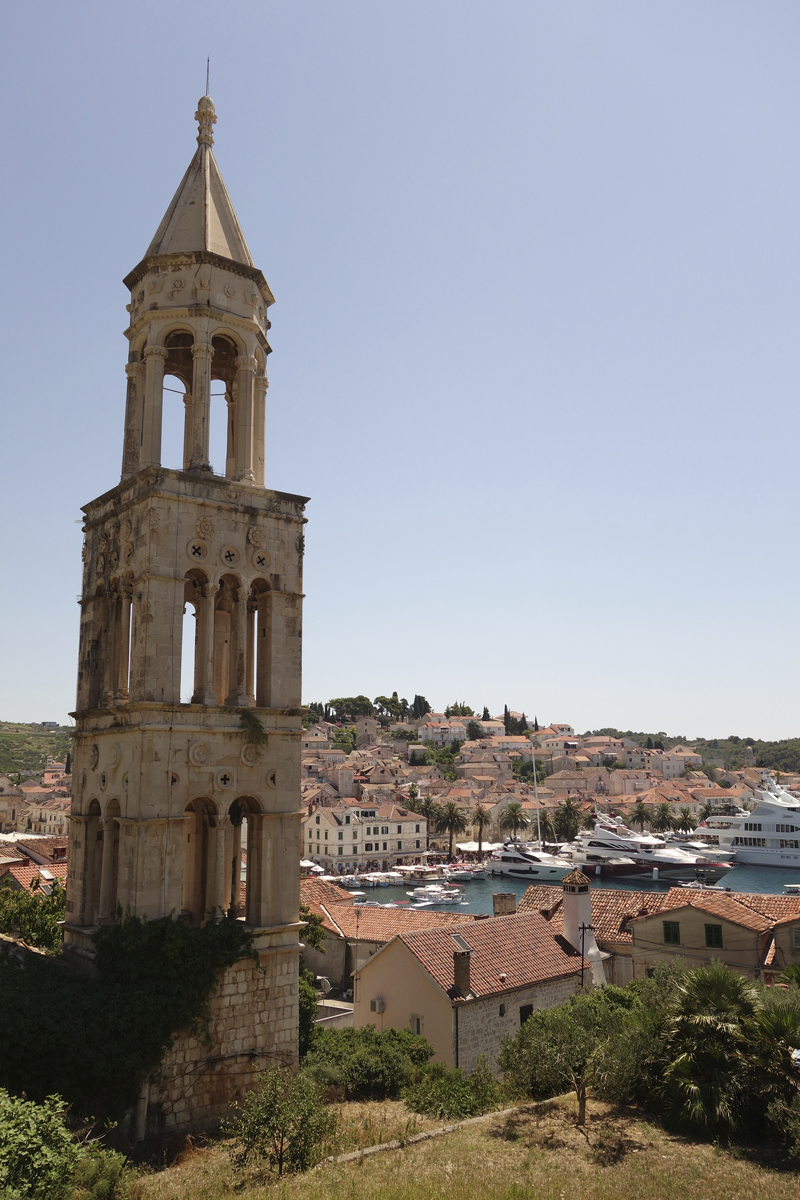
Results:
522 860
768 835
611 838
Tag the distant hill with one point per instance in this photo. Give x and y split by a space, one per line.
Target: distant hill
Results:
26 747
728 752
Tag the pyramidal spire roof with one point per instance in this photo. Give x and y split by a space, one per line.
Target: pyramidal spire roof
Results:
201 216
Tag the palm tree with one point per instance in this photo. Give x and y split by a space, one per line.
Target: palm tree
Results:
452 819
567 820
685 821
587 819
704 1082
640 816
547 826
482 817
430 810
662 819
705 812
513 819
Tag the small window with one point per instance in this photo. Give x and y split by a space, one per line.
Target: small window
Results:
416 1024
672 933
502 1010
367 845
318 818
525 1011
399 845
417 829
341 848
341 836
355 835
347 820
385 846
714 937
326 835
796 939
384 828
418 845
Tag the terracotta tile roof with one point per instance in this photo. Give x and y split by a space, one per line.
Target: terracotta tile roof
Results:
316 892
25 876
612 910
523 947
777 908
382 924
42 849
717 904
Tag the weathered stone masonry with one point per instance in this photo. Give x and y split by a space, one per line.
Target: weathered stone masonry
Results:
168 789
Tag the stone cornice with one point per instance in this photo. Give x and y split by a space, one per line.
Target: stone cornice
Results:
197 310
199 256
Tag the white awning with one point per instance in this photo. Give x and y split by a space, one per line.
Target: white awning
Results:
473 847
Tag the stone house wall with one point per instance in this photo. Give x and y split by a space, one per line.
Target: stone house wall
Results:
481 1026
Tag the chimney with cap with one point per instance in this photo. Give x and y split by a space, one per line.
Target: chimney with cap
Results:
461 971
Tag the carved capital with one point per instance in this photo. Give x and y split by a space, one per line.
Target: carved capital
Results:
154 352
246 362
202 350
135 370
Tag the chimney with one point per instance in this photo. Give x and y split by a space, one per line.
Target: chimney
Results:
461 971
577 909
505 904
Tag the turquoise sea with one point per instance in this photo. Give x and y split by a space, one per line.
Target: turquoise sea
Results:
478 893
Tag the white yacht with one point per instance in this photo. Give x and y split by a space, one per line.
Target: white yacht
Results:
612 839
768 835
522 860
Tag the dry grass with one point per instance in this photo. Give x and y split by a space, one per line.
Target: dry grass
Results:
539 1153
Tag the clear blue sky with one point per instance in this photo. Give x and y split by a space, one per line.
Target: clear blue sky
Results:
535 339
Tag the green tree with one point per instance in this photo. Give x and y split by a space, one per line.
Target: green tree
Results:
705 812
663 819
649 743
283 1121
430 810
513 820
420 708
685 821
452 819
558 1048
485 715
567 820
33 915
702 1087
482 816
474 731
640 816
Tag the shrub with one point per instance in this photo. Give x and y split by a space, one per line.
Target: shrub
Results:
307 1003
37 1153
443 1092
369 1065
283 1122
101 1175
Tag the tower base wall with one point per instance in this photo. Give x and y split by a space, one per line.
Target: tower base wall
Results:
254 1024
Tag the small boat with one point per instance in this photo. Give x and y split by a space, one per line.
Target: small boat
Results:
701 885
438 893
792 888
349 881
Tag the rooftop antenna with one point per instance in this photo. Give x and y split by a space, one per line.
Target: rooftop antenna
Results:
208 68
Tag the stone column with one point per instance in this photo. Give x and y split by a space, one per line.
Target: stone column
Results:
123 648
107 871
109 665
187 429
259 428
264 650
255 874
237 675
132 448
154 357
243 436
230 422
250 655
216 871
204 693
202 353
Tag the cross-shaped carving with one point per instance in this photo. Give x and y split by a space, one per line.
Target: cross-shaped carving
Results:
224 780
197 550
229 556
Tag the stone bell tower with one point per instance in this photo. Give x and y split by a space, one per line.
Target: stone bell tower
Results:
165 792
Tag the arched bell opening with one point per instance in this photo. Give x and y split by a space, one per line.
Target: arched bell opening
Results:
223 400
192 637
201 832
243 858
176 411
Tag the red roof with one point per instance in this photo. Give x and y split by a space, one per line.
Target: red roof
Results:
360 923
523 947
612 909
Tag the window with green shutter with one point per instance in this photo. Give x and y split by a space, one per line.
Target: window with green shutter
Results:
672 933
714 937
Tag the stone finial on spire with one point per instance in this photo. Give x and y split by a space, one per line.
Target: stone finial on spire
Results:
206 117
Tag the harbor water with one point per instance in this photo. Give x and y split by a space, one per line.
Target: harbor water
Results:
478 892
